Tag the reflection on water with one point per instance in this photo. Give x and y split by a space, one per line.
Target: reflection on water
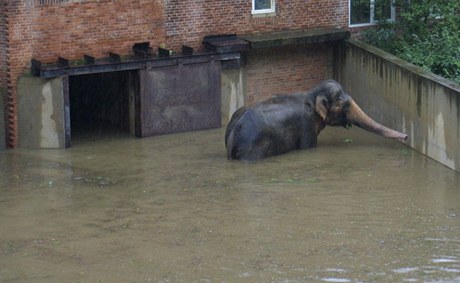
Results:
359 208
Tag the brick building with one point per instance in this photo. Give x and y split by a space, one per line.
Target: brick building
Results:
289 47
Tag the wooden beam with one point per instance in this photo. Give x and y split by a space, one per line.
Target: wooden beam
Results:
89 60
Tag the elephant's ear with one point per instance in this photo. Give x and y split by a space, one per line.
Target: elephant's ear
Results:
321 106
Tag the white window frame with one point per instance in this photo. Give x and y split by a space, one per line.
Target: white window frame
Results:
371 18
263 11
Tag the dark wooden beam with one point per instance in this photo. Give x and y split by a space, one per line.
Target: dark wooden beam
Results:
114 57
142 50
89 60
163 52
52 71
35 67
63 62
187 51
295 37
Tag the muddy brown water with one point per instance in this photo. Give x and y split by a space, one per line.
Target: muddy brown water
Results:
358 208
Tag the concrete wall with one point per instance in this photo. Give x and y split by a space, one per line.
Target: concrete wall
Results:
41 113
404 97
233 92
41 109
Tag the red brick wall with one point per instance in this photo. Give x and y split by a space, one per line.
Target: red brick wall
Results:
187 21
285 70
7 85
3 72
268 72
94 27
2 44
71 29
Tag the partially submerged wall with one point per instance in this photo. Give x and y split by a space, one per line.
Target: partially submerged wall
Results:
41 113
232 92
404 97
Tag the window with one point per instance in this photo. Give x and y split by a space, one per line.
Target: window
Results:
366 12
263 6
50 2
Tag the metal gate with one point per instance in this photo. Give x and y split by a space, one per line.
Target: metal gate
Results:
184 96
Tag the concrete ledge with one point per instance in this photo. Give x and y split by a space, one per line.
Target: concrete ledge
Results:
299 37
402 63
404 97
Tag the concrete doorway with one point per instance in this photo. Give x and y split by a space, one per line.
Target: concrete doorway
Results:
101 104
166 96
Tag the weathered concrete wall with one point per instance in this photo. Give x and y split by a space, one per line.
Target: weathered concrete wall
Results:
232 92
404 97
40 113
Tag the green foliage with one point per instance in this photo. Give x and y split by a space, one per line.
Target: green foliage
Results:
426 33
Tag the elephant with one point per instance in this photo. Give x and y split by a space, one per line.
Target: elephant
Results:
293 121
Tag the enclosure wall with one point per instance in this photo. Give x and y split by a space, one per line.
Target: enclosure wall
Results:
404 97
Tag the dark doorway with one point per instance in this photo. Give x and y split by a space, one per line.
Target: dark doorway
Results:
176 97
100 104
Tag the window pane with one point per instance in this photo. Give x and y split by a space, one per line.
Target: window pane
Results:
360 12
383 10
262 4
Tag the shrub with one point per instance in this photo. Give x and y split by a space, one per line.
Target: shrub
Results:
426 33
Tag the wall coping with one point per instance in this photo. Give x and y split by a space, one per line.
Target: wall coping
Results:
404 64
295 37
404 97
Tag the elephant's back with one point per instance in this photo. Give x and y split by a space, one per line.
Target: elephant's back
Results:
266 128
242 133
233 121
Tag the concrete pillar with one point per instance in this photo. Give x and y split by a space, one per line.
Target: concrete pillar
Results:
41 112
233 92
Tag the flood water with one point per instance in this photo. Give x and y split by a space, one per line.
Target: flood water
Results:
358 208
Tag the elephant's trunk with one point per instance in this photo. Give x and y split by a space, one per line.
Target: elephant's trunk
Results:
357 117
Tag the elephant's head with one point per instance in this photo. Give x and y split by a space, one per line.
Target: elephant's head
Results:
338 108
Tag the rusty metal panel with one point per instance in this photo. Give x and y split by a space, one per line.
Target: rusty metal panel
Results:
179 98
